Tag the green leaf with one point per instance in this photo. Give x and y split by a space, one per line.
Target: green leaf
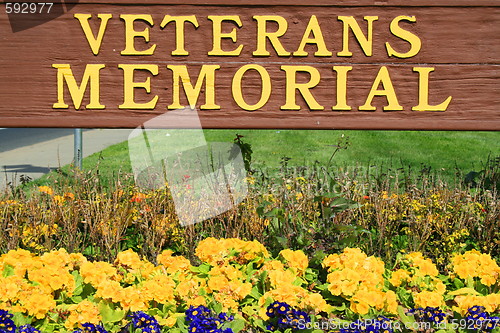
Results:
255 293
109 313
78 283
47 327
458 283
409 321
237 325
76 299
8 270
470 282
260 324
249 310
203 268
175 330
181 323
282 241
464 291
217 307
20 319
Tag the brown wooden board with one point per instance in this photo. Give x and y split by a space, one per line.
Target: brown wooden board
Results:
460 40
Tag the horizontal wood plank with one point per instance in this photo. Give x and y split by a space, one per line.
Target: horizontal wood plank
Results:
461 44
329 3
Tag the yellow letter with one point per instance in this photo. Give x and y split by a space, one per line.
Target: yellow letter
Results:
303 88
130 34
342 88
415 43
313 27
262 35
94 42
387 91
364 42
129 85
423 92
218 35
76 92
179 31
265 92
181 75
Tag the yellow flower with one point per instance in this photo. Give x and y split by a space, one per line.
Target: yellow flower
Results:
272 265
58 199
109 289
160 288
360 307
316 302
214 251
296 260
172 320
133 299
373 298
391 302
424 266
38 304
428 298
197 301
490 302
475 264
281 277
96 273
128 259
217 282
399 277
290 294
83 312
10 287
250 180
173 263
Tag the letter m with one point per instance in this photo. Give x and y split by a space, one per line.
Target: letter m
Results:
181 78
65 74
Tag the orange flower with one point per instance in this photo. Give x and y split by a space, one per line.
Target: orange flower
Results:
46 190
69 196
138 197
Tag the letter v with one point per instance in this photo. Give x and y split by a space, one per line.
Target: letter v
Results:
94 43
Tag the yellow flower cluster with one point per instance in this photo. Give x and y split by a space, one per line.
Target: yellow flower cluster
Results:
286 284
420 279
359 278
213 251
473 264
423 266
296 260
33 235
130 281
227 283
29 282
233 273
83 312
490 302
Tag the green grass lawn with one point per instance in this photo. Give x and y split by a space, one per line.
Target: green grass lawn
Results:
443 152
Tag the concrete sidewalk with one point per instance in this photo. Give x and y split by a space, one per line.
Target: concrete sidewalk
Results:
35 153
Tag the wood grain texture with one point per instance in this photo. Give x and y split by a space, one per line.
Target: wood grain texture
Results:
460 39
329 3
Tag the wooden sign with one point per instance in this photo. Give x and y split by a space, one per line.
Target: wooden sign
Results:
351 64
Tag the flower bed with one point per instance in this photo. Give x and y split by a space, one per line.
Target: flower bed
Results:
239 287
